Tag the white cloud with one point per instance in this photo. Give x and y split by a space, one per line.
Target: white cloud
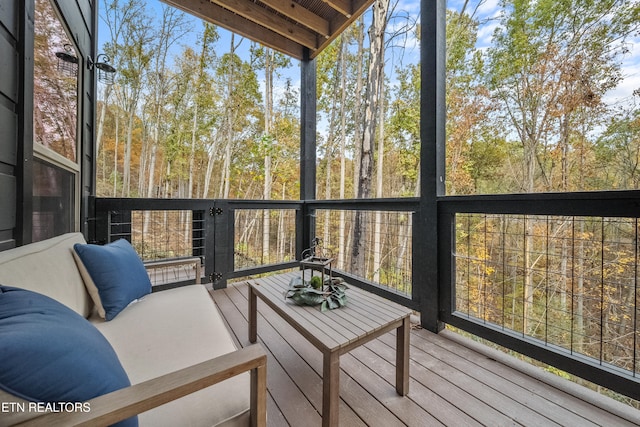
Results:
630 67
623 93
485 34
489 8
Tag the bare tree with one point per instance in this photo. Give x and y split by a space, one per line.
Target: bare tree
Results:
374 84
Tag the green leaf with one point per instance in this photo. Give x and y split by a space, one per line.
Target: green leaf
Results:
302 293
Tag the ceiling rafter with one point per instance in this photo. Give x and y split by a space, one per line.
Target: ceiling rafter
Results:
304 16
340 22
298 28
214 14
273 22
342 6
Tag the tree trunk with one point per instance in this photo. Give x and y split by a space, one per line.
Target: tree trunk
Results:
358 109
143 158
126 173
281 231
266 195
374 82
207 176
192 151
115 156
226 168
377 236
167 183
152 166
343 143
328 159
103 112
228 131
327 191
192 161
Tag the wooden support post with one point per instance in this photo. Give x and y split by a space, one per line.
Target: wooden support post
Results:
402 357
253 316
259 396
330 388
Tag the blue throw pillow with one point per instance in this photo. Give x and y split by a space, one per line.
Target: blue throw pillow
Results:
117 272
49 353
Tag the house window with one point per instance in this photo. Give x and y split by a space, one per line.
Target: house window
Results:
55 91
53 196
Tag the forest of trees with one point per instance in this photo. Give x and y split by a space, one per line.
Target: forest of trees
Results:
540 97
198 112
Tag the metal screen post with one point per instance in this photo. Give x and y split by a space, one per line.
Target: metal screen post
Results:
220 244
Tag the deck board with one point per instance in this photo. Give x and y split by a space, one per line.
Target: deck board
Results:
520 402
532 383
451 384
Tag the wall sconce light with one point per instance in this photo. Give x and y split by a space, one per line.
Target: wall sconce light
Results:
106 72
67 61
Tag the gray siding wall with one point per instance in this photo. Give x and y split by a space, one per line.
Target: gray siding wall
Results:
9 100
16 112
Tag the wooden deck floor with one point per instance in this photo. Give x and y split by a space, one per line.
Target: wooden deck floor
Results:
454 381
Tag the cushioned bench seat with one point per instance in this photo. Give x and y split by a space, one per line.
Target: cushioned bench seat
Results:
160 340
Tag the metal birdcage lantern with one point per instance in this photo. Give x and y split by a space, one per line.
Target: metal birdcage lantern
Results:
105 71
323 290
316 258
67 61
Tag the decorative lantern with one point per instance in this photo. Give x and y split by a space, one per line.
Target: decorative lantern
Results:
321 290
314 258
67 61
106 72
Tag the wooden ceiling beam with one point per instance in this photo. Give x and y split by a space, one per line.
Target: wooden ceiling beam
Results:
270 20
340 23
283 25
342 6
304 16
214 14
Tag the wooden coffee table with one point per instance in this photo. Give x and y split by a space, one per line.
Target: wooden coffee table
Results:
335 332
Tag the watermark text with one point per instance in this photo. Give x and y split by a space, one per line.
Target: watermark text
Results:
44 407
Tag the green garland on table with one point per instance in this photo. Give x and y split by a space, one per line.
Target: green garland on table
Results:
332 296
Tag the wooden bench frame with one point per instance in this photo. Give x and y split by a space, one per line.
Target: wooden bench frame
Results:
127 402
176 262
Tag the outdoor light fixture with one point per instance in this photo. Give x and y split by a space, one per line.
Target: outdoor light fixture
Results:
106 72
67 61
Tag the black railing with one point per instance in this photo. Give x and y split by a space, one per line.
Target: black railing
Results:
552 276
238 238
159 230
225 234
384 243
256 237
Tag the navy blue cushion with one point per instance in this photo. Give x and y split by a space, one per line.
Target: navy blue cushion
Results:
49 353
117 272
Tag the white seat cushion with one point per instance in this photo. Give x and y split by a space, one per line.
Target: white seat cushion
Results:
170 330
